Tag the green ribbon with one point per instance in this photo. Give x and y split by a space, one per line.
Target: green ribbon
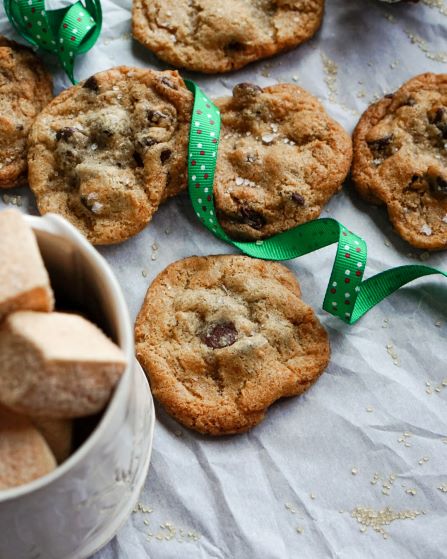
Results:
65 32
347 295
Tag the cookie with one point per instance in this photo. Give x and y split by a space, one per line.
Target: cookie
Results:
213 37
280 159
222 337
106 152
24 454
400 159
25 89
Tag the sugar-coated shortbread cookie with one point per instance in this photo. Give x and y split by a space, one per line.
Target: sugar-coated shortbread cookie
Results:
56 365
214 36
106 152
25 89
281 158
58 433
24 454
400 159
24 281
222 337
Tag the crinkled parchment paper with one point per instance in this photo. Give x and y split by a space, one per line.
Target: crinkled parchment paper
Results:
371 435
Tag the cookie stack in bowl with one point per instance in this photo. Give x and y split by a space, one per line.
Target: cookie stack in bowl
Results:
55 367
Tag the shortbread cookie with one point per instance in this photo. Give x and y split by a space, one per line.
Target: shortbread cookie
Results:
25 89
106 152
24 282
400 159
280 159
24 454
222 337
58 433
56 365
213 36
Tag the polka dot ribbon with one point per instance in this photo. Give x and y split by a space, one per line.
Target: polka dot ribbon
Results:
65 32
347 295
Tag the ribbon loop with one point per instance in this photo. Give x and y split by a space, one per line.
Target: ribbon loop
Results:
65 32
347 296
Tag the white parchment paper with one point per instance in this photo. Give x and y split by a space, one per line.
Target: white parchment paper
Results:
372 432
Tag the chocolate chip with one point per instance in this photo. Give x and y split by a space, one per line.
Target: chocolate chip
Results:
438 117
155 116
92 84
147 142
235 46
242 89
86 202
298 198
138 159
20 127
389 95
382 146
65 133
438 186
168 83
165 155
220 335
252 218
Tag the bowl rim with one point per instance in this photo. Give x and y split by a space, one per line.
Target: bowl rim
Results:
58 226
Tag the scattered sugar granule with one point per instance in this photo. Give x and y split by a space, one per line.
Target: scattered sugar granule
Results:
392 353
354 471
426 229
443 487
331 72
368 517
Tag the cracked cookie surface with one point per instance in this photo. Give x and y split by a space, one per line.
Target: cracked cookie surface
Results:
106 152
400 159
25 89
211 36
222 337
280 159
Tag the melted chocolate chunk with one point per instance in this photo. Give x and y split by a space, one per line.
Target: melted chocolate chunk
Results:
168 83
383 146
438 117
235 46
252 218
165 155
245 88
148 142
220 335
138 159
438 186
65 133
156 116
92 84
298 198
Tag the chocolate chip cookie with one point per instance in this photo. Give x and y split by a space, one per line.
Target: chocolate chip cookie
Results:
106 152
400 159
222 337
280 159
211 36
25 89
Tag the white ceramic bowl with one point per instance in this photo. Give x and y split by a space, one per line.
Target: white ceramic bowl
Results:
76 509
